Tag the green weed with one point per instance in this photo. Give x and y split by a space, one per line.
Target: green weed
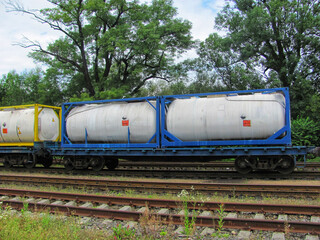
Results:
189 224
121 232
221 213
25 208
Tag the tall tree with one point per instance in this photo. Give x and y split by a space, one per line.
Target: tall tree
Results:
281 36
29 87
267 43
12 89
220 64
110 44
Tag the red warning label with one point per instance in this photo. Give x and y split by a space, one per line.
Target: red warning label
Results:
247 123
5 130
125 123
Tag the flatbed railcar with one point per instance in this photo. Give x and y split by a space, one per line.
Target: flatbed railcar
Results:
252 126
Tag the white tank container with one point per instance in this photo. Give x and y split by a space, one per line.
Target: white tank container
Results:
255 116
109 122
17 125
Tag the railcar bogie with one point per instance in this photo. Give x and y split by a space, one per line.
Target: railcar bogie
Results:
76 162
283 164
96 163
12 160
27 160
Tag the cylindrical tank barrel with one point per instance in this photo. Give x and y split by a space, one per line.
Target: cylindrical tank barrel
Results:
17 125
119 122
242 117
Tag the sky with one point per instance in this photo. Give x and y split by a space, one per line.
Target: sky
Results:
15 27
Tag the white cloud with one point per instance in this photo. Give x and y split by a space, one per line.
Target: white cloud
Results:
215 5
202 18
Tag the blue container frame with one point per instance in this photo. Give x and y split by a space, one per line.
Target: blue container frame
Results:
66 143
169 140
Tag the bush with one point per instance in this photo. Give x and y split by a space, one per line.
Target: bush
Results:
305 132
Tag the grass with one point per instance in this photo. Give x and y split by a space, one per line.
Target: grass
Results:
316 159
43 226
122 232
24 225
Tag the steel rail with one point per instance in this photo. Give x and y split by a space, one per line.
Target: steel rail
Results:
229 188
165 203
194 165
233 223
171 173
152 164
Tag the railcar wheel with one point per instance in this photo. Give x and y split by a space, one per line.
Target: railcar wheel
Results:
97 163
46 161
7 163
242 165
29 162
112 163
286 165
68 164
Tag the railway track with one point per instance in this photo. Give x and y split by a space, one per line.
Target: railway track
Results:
164 203
194 165
182 170
170 173
132 209
180 165
232 189
185 165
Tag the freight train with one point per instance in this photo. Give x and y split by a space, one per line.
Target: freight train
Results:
252 127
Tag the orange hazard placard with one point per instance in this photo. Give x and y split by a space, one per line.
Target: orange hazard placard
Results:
247 123
4 130
125 122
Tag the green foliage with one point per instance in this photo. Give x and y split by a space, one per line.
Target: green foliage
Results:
305 132
280 36
313 108
301 95
83 97
25 208
12 92
189 223
120 232
113 93
107 45
43 227
222 214
220 64
29 87
163 233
